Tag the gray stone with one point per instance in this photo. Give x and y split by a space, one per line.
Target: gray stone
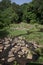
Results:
11 59
7 42
19 50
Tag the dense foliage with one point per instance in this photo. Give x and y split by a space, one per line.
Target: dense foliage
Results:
28 12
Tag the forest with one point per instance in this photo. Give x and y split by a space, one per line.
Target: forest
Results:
23 20
28 12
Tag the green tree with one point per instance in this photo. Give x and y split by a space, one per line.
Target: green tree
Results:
28 13
8 16
38 9
5 4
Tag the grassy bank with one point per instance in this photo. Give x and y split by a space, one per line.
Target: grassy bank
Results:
29 31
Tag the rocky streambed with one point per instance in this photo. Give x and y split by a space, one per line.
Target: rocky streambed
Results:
17 49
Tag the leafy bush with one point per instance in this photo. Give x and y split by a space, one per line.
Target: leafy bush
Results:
15 63
32 21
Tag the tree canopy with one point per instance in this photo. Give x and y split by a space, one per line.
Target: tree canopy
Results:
28 12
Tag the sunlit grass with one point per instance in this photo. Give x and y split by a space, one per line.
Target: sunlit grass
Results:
29 31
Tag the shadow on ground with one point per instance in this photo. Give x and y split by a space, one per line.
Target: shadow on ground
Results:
3 33
33 64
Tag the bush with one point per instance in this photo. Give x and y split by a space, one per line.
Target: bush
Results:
15 63
38 50
32 21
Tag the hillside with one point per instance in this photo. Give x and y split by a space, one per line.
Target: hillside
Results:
29 32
